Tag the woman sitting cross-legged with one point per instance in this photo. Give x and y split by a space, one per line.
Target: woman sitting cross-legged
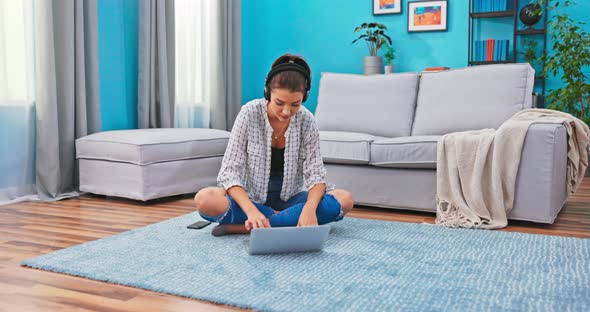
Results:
272 172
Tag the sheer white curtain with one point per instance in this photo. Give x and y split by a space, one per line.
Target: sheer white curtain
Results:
192 35
17 111
208 63
16 51
49 95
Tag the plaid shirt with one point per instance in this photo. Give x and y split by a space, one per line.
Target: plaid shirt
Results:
247 158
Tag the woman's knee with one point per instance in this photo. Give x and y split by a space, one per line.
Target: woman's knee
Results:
345 199
332 206
211 201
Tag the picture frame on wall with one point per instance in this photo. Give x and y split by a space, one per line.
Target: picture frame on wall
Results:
381 7
426 16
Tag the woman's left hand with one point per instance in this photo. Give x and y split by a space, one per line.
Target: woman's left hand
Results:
307 218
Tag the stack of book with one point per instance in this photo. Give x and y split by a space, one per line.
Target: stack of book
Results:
491 50
492 6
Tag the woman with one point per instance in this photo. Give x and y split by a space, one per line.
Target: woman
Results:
272 172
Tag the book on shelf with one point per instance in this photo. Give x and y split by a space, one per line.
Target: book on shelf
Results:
435 69
482 6
491 50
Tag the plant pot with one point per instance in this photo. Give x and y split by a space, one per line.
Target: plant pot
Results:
389 69
528 14
372 65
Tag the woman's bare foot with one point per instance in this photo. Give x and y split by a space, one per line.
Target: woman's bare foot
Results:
228 229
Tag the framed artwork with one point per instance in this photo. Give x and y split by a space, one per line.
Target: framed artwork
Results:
381 7
427 15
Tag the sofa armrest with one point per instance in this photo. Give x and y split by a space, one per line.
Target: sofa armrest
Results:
540 182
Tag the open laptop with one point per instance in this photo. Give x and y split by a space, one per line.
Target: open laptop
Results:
287 239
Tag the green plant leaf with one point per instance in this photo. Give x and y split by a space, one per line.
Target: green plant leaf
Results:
374 36
569 59
359 38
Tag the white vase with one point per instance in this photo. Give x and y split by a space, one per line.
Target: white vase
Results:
389 69
372 65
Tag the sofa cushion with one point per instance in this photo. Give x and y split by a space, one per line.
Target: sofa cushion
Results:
381 105
147 146
472 98
406 152
346 147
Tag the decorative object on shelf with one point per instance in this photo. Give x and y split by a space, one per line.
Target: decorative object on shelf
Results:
530 52
389 57
569 59
427 16
381 7
530 14
375 37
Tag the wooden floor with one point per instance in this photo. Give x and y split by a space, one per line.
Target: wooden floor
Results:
29 229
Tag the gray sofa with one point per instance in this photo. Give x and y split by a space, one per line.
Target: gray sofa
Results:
379 135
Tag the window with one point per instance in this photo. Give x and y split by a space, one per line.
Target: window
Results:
16 52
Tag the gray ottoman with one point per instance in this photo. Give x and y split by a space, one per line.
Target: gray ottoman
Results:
146 164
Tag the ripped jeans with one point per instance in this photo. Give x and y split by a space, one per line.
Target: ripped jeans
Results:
288 212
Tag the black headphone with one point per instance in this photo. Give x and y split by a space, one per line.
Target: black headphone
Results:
291 65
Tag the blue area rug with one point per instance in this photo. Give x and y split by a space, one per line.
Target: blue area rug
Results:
366 265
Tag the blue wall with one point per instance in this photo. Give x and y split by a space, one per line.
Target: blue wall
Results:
117 47
312 28
323 35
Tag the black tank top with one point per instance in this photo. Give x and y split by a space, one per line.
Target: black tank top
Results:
277 161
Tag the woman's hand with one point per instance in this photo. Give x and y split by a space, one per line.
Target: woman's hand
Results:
256 220
307 218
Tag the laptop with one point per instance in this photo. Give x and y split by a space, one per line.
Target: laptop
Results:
287 239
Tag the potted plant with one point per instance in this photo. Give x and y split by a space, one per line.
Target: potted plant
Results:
389 57
531 13
570 58
374 35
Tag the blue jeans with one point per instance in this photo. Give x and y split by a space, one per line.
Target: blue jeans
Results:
288 212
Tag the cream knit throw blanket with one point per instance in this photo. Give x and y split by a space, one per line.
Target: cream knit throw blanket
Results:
476 170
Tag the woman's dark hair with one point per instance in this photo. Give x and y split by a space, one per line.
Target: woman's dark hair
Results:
291 80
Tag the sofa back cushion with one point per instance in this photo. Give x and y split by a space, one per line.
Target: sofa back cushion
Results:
381 105
472 98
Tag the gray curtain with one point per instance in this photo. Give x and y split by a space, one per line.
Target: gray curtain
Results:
155 87
67 99
229 89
